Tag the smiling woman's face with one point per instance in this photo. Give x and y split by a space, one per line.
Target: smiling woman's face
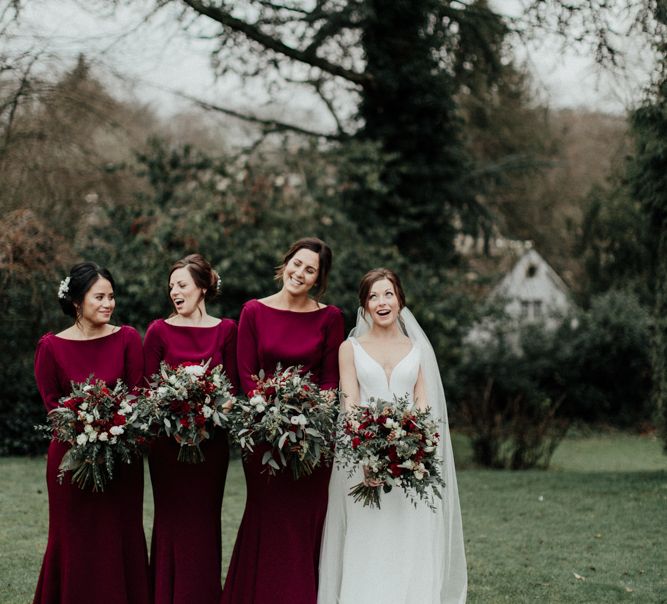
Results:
98 303
184 294
382 303
301 272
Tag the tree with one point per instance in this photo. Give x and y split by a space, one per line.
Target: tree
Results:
648 180
388 73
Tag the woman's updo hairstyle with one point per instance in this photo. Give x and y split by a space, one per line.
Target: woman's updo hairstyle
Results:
326 258
202 274
81 278
375 275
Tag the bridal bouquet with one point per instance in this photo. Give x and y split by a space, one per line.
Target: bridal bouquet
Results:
187 402
289 417
397 447
104 427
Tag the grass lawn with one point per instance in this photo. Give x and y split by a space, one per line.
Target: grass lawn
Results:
592 529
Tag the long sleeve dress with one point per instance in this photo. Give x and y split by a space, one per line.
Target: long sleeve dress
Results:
276 555
186 545
96 548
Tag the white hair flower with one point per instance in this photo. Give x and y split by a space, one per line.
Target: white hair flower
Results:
64 288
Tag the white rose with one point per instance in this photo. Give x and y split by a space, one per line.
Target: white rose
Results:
87 428
257 400
81 439
116 430
419 475
162 391
206 411
195 370
104 437
92 437
390 423
83 406
89 418
259 408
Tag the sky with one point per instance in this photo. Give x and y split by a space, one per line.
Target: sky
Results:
156 57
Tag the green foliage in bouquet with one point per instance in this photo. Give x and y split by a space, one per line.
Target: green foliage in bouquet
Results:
187 403
397 446
290 419
103 426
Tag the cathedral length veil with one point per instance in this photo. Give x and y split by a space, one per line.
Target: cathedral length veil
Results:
450 542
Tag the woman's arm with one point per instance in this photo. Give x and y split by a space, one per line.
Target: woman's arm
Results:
134 359
329 372
420 392
349 385
46 374
246 349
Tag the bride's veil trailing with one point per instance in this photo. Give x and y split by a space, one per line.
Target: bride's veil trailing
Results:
450 541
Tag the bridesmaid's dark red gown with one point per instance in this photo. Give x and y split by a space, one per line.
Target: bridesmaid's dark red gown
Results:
96 550
186 546
276 556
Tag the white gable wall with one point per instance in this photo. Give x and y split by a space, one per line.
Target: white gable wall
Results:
533 290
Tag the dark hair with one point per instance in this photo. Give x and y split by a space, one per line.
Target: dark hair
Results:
82 277
202 274
375 275
325 255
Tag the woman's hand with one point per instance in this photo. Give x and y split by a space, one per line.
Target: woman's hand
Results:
371 482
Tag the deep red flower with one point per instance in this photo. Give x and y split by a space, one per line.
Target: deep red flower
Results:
356 441
306 387
105 391
392 454
200 421
118 419
394 470
184 422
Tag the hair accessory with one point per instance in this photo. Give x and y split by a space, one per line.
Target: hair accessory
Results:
64 288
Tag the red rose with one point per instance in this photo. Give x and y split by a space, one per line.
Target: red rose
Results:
71 404
306 387
118 419
394 470
368 435
184 422
419 455
356 441
200 420
382 419
105 391
392 454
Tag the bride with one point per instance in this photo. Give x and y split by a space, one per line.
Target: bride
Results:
398 554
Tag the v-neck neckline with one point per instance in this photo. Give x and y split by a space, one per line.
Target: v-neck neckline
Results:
393 369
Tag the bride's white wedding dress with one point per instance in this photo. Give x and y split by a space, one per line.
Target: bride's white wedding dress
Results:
388 555
398 554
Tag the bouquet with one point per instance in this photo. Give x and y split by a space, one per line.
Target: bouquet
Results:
289 416
397 447
187 402
104 427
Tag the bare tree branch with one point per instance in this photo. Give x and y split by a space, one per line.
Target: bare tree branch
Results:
267 124
271 43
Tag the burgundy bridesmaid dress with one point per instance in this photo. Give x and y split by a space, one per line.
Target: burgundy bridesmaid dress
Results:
276 556
96 550
186 546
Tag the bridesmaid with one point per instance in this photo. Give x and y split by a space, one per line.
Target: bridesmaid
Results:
276 555
96 549
186 548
